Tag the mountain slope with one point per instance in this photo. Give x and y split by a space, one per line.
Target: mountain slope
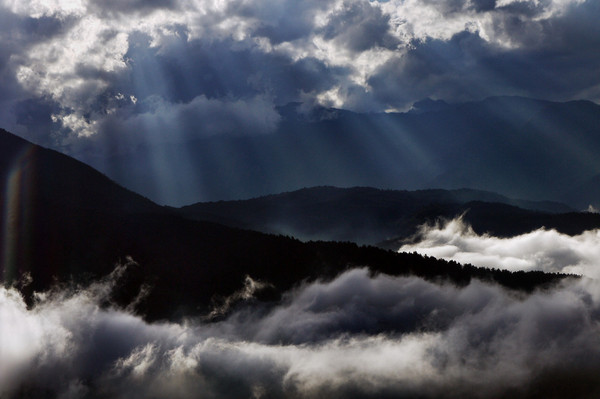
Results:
61 220
50 177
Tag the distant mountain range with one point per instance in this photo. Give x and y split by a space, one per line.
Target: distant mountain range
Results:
382 217
519 147
61 220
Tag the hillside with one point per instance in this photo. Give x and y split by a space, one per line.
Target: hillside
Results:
64 221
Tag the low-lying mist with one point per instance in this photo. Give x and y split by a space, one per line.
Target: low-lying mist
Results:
359 335
545 250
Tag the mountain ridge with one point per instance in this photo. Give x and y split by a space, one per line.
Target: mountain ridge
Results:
21 156
64 232
375 216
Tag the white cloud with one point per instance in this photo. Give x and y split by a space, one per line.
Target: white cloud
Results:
546 250
89 59
418 19
356 335
38 8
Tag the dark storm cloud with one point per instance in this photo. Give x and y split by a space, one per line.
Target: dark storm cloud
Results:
461 6
174 60
112 7
359 27
553 59
184 69
191 88
575 33
175 75
280 21
557 57
483 5
454 69
360 55
21 32
18 109
356 336
526 9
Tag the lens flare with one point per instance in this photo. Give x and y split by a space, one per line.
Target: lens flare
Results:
16 213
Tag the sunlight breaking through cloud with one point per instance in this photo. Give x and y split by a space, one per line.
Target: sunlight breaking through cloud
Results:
76 55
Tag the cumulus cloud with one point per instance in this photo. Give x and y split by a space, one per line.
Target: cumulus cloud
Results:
546 250
359 27
281 21
75 56
515 48
356 336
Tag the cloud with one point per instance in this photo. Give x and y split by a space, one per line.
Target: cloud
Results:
155 48
75 57
281 21
439 69
546 250
539 50
356 336
112 7
359 26
159 121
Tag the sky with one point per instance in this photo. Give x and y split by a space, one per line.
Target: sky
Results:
90 75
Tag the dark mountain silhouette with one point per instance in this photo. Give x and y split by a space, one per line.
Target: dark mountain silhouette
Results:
372 216
522 148
53 179
63 220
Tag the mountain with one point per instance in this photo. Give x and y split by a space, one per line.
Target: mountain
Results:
59 216
63 221
372 216
49 177
519 147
